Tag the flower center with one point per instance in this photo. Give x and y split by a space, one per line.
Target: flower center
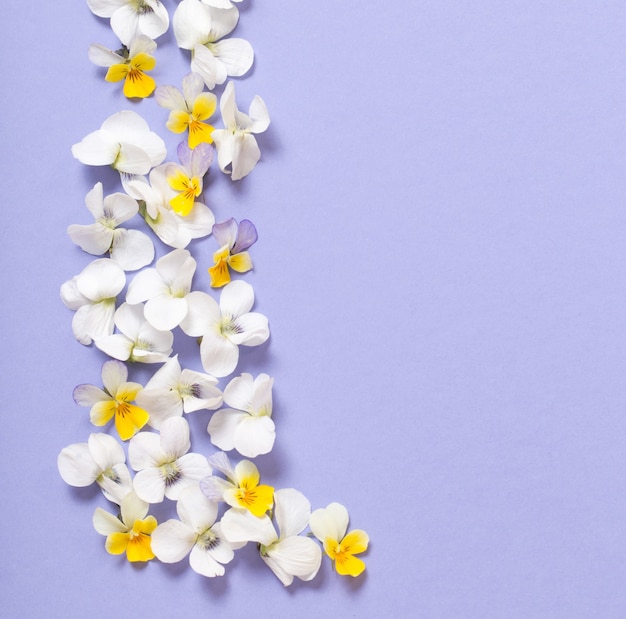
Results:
189 390
171 473
228 326
142 8
208 540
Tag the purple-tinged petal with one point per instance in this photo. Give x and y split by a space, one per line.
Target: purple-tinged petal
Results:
225 233
246 236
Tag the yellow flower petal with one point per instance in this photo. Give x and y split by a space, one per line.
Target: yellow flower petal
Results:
139 548
129 419
220 275
117 72
199 133
182 204
241 262
138 84
127 392
143 62
204 106
347 565
102 412
178 121
257 500
117 542
355 542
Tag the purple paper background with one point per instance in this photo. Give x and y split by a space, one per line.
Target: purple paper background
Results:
441 208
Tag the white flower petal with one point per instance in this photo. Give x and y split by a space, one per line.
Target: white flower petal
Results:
150 485
94 238
144 451
331 521
205 64
88 395
254 436
246 155
202 562
240 525
222 427
165 312
237 298
237 55
132 249
117 345
102 279
106 523
219 356
203 312
97 148
239 392
77 466
196 510
145 285
93 322
175 438
292 511
191 23
172 541
294 556
114 375
253 329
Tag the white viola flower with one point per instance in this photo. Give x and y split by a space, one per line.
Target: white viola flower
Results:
201 28
164 468
91 294
132 17
329 525
102 460
196 534
131 249
173 229
220 4
241 488
138 340
246 426
125 142
224 327
165 289
286 553
236 144
172 392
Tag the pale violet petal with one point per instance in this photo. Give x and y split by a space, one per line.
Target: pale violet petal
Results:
88 395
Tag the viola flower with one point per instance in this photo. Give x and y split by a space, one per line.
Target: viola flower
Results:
91 294
172 392
225 326
173 229
241 488
138 341
131 249
163 464
189 109
125 142
329 525
286 553
236 145
199 28
130 533
197 533
186 179
132 17
246 426
129 64
165 289
101 460
114 401
220 4
234 240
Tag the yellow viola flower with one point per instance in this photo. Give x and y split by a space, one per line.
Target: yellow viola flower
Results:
129 64
234 240
189 109
114 401
241 489
131 532
329 525
186 179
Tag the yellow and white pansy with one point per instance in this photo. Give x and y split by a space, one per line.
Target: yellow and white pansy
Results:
241 488
164 468
246 425
201 29
237 149
114 401
129 534
329 525
189 109
129 64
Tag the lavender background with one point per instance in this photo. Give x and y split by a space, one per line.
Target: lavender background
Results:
441 206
